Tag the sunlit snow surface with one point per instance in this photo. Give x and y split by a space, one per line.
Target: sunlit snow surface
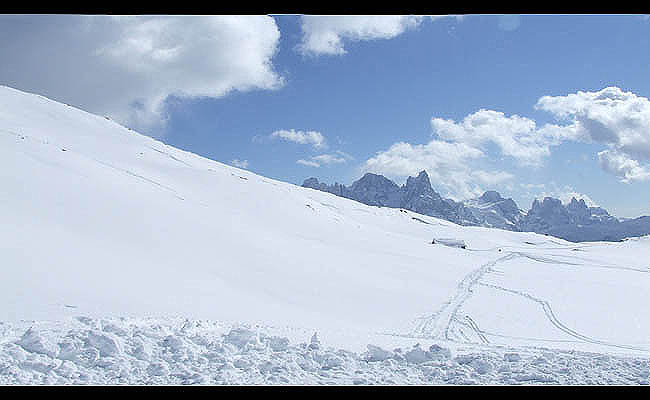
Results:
100 222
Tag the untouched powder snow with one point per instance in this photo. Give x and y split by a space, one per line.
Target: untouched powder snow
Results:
101 223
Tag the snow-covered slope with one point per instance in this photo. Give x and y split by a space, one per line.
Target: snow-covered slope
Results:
97 220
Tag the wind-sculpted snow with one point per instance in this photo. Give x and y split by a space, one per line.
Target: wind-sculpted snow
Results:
175 351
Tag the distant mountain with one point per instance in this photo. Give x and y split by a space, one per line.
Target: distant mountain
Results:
574 221
417 195
577 222
495 211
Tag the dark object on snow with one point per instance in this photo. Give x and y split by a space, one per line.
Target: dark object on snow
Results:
450 242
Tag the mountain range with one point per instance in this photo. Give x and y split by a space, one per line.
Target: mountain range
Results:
574 221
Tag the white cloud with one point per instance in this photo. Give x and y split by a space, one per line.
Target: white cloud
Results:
530 186
610 116
338 157
446 163
622 166
240 163
329 159
127 67
618 119
326 34
308 163
515 136
492 178
316 139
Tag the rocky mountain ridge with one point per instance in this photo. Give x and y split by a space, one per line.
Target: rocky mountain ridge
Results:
574 221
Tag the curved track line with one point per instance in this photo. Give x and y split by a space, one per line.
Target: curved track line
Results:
548 311
475 328
437 324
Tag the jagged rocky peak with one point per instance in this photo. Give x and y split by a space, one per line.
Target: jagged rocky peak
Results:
420 185
578 209
311 183
491 196
546 205
421 180
577 203
375 190
336 188
550 211
574 221
374 180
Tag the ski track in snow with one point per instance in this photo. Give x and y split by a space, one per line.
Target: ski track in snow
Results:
437 324
548 311
475 328
578 264
434 325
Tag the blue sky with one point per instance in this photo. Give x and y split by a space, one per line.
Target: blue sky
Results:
389 95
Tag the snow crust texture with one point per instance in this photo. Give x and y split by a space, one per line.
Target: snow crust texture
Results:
176 351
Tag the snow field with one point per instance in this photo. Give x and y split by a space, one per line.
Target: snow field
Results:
100 226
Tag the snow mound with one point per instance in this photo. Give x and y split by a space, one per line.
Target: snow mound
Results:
170 351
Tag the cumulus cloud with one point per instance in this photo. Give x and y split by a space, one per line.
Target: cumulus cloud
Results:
619 164
338 157
618 119
240 163
515 136
610 116
308 163
327 34
492 178
127 67
313 138
530 186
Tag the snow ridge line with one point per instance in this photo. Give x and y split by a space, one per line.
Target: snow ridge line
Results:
548 311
